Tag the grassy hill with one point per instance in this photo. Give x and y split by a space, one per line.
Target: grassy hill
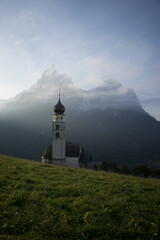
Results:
41 201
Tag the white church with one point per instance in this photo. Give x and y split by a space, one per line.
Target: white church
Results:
61 152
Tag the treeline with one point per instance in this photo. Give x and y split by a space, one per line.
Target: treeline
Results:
137 170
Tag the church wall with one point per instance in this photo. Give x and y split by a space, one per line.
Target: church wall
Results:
58 149
69 162
72 161
58 142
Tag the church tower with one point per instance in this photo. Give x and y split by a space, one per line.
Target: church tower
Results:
58 132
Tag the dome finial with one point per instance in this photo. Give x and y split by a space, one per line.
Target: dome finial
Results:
59 93
59 108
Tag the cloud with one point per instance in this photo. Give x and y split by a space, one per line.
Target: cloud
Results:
96 69
19 68
35 39
48 86
151 103
18 41
110 94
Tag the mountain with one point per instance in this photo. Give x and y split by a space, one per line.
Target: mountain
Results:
108 121
110 94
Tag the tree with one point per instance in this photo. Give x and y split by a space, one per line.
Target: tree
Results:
108 166
156 173
48 153
125 169
141 170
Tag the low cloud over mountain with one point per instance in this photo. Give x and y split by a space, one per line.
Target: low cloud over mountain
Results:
107 120
110 94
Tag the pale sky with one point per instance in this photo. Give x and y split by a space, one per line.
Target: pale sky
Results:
90 40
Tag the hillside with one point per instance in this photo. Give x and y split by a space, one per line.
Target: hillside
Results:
40 201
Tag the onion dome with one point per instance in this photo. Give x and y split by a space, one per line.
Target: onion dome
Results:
59 108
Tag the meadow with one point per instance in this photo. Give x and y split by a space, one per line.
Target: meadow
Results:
42 201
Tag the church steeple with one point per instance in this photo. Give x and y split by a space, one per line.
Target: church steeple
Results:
59 108
58 132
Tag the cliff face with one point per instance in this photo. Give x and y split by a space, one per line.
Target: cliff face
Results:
108 121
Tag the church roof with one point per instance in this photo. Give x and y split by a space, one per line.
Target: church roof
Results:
85 157
73 149
59 108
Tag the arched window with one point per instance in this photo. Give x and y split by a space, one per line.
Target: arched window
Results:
57 127
57 134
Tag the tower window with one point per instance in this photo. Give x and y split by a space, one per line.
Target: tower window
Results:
61 118
57 134
57 127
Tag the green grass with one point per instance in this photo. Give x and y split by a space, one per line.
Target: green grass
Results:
42 201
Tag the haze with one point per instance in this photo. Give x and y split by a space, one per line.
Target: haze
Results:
91 40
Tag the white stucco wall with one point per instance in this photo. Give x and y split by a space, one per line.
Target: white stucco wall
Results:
58 148
58 143
72 162
69 162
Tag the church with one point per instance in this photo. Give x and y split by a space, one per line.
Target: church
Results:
61 152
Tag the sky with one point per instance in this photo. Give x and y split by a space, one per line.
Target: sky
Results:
90 40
